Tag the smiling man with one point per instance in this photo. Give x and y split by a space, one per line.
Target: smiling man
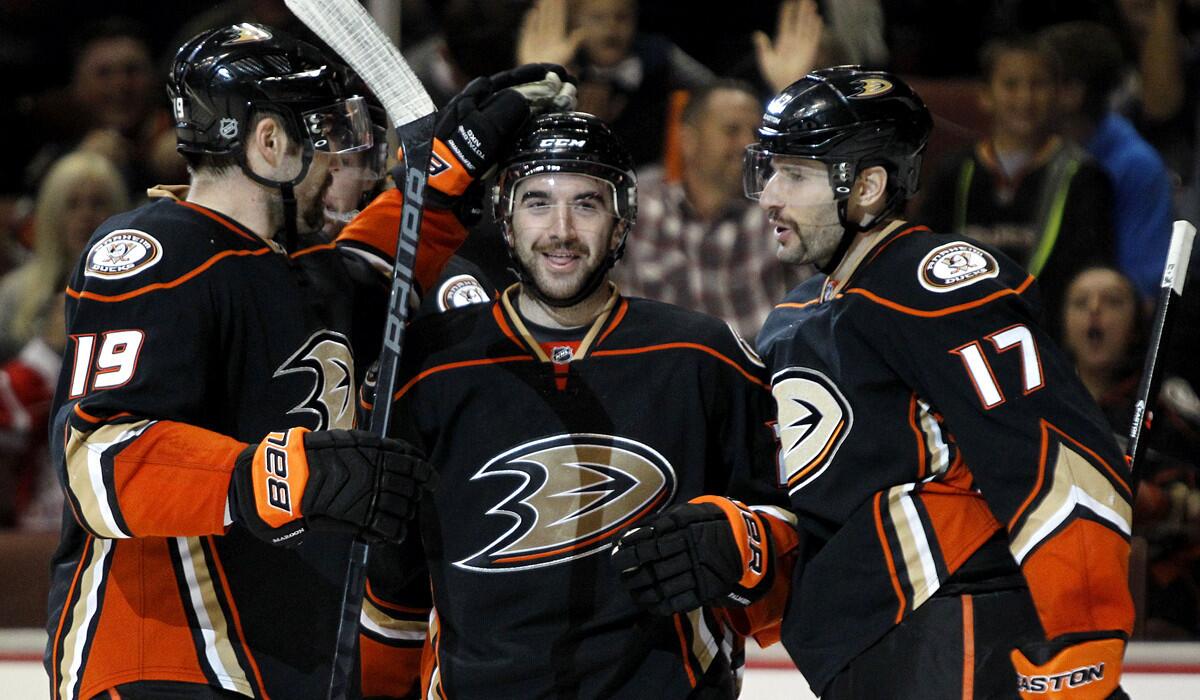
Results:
557 417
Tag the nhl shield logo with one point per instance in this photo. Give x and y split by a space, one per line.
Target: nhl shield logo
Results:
955 265
122 253
562 354
228 127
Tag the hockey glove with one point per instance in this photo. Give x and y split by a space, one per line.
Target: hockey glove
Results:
1089 670
341 480
711 551
477 126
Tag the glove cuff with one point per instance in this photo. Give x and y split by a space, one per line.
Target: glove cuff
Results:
753 540
448 174
278 476
1086 671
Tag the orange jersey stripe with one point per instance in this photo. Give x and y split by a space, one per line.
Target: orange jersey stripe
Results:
947 310
677 346
457 365
237 618
220 219
617 318
108 298
683 648
968 674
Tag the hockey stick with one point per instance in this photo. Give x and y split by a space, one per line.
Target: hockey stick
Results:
350 31
1174 276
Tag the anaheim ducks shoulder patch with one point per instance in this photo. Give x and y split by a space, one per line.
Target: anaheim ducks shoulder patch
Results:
460 291
955 265
122 253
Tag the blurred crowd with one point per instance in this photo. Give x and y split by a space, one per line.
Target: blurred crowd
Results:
1065 134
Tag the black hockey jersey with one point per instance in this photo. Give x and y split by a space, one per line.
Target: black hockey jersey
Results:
191 337
922 410
545 452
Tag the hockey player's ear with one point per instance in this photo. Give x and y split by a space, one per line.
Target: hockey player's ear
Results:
267 144
871 188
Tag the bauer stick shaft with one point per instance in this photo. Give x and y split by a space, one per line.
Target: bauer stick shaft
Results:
350 31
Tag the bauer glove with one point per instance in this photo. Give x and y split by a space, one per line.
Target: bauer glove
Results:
340 480
710 551
478 125
1087 670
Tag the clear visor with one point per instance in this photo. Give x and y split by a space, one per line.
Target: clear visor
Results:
540 201
794 175
344 127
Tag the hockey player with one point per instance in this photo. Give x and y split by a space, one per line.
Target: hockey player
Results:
203 423
556 416
965 510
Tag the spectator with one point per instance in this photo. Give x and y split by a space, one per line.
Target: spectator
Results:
1105 328
79 192
113 109
480 39
700 243
1091 56
1023 189
625 77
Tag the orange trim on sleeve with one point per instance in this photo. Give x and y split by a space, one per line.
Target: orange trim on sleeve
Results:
947 310
968 632
919 435
166 285
173 480
683 648
1091 596
88 542
887 555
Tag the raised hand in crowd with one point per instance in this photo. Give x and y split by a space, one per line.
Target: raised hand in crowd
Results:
794 49
545 37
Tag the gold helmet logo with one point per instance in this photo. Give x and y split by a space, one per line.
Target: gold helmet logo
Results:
871 87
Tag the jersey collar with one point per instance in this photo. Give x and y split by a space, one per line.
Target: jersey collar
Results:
515 328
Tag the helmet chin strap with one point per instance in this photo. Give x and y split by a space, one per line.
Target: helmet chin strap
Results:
850 229
286 191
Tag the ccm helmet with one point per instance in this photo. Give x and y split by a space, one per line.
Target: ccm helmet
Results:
569 142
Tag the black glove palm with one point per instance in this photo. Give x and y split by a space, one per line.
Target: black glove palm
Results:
341 480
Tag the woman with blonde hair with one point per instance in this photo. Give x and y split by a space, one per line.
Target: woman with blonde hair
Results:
79 192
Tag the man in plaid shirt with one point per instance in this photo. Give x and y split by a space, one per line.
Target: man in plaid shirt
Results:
698 243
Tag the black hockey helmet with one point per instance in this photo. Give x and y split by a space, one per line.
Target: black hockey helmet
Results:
849 118
569 142
220 77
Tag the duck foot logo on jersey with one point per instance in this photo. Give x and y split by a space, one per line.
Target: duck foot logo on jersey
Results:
576 492
326 355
